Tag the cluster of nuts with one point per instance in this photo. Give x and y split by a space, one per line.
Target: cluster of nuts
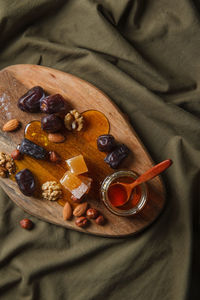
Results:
7 165
83 214
51 190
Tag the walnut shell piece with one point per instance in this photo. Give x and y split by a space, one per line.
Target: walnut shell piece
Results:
7 165
3 172
51 190
82 221
74 120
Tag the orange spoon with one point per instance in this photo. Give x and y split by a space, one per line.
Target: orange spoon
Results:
151 173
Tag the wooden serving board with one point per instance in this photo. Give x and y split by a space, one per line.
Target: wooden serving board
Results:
14 82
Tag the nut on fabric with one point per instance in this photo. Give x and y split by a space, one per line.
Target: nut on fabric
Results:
26 224
7 165
51 190
74 120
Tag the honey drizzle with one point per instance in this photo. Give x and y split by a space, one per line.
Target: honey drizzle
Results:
83 142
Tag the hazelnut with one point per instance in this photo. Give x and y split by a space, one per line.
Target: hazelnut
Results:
16 155
92 213
100 220
26 224
54 156
81 222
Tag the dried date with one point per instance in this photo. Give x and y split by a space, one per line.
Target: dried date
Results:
115 157
51 123
30 102
26 182
53 104
32 149
106 143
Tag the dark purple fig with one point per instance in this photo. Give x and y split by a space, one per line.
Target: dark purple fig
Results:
26 182
51 123
53 104
30 102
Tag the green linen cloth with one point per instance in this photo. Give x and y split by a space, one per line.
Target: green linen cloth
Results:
145 55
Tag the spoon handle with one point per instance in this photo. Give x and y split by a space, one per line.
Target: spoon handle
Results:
154 171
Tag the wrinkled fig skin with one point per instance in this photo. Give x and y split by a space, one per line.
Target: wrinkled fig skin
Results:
26 182
115 157
33 150
30 102
53 104
106 143
51 123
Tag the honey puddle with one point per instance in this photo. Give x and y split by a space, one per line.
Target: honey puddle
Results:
83 142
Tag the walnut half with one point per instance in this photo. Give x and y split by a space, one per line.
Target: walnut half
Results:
51 190
74 120
7 165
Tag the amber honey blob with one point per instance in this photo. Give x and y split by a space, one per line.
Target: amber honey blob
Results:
76 143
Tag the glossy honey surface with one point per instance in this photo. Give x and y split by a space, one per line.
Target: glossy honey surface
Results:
83 142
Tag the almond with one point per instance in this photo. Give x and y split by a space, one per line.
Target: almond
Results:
80 209
54 156
56 137
11 125
67 211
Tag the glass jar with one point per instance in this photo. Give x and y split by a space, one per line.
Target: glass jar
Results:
115 177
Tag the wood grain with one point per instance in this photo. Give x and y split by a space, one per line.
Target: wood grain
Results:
14 82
